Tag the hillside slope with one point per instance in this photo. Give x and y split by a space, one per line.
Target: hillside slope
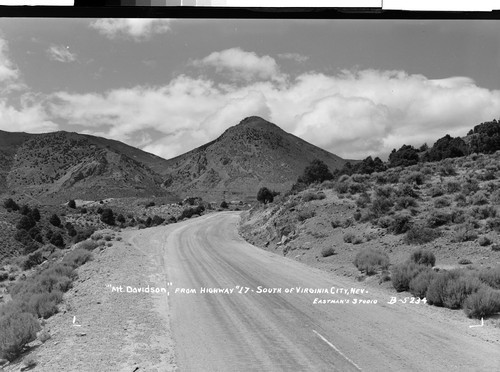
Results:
56 166
250 155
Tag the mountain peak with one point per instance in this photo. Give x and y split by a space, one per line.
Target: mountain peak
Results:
255 121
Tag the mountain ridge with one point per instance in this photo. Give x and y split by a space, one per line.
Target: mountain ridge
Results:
60 165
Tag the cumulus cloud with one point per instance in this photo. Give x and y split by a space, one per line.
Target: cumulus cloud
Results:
353 114
238 64
8 70
137 29
28 117
294 57
61 53
20 110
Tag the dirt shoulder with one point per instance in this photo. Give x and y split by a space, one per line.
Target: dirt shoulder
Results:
112 331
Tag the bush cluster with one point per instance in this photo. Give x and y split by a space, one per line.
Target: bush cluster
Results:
189 212
371 260
36 296
421 235
307 197
305 215
402 275
326 252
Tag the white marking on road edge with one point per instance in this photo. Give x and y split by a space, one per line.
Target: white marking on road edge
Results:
338 351
479 325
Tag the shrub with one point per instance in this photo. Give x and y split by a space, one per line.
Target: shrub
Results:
495 197
35 214
355 188
423 257
490 276
88 245
224 204
342 187
44 336
363 200
400 224
335 224
447 170
437 288
371 260
381 206
493 224
436 191
77 257
438 218
189 212
442 202
484 302
349 237
451 288
307 197
479 198
157 220
265 195
45 304
421 235
305 215
10 204
32 259
25 223
420 283
484 212
464 261
452 187
29 361
55 220
72 204
464 233
326 252
16 330
402 275
414 178
57 240
385 222
384 191
470 186
484 241
461 200
108 217
405 202
120 218
458 290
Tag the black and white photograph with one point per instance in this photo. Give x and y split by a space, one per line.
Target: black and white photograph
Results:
249 194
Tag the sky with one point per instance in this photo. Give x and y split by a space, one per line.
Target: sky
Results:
353 87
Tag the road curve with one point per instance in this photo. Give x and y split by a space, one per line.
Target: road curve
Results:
285 331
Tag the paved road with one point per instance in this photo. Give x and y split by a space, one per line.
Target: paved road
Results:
285 331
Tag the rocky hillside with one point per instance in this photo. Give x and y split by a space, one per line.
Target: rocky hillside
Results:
449 208
250 155
55 167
